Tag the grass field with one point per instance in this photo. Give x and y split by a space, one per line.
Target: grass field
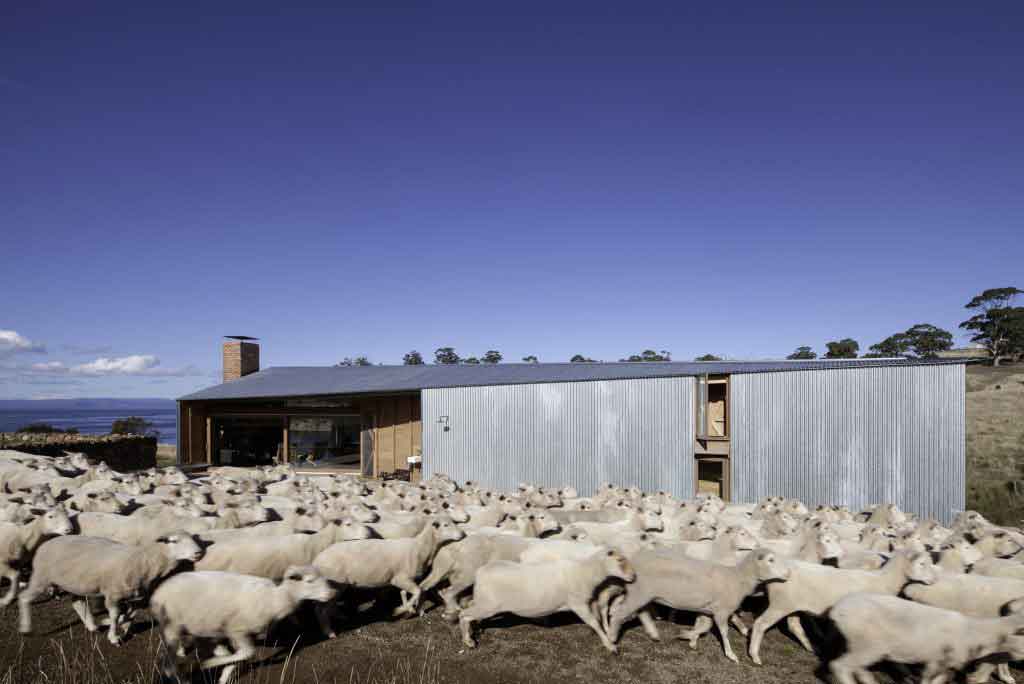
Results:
377 650
995 442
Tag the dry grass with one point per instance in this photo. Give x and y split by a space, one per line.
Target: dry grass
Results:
995 442
166 455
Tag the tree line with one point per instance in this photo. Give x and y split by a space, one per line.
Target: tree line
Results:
995 323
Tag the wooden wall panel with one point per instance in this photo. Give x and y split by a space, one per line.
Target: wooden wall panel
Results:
403 432
386 435
197 434
416 424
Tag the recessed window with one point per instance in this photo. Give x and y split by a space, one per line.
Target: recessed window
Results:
712 407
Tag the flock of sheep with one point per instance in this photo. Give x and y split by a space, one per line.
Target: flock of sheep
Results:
218 559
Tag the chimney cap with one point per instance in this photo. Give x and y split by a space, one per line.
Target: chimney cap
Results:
240 337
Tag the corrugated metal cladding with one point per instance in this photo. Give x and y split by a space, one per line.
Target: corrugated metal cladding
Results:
631 432
854 437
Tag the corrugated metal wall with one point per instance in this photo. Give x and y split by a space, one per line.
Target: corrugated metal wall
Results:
631 432
852 436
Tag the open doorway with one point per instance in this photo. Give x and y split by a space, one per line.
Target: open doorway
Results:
247 440
711 475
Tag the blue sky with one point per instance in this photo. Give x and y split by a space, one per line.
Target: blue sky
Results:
539 178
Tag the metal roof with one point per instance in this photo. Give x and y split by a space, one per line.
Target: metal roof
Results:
301 381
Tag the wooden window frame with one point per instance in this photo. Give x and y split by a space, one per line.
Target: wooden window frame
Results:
700 407
726 473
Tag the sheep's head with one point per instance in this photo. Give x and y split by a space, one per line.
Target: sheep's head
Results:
653 521
349 530
544 523
769 567
828 544
306 521
105 502
359 512
446 530
181 546
963 549
617 565
56 521
456 513
304 583
921 569
795 507
742 538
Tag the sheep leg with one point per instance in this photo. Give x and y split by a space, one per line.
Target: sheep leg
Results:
456 585
324 613
795 626
12 577
583 610
647 622
466 621
81 608
244 649
623 609
36 586
701 627
722 623
844 668
736 622
409 603
451 604
933 673
1003 674
761 625
114 608
982 673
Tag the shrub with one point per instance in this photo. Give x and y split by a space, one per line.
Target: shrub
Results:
133 425
43 429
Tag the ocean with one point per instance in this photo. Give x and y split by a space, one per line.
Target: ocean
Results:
91 421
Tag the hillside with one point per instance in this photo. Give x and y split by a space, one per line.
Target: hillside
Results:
995 442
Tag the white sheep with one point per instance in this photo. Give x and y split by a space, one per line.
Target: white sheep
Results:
218 606
377 563
89 566
542 589
878 627
19 541
814 588
698 586
270 557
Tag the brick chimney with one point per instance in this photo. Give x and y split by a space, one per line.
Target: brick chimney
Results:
241 356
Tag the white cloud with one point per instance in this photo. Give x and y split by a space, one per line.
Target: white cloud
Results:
134 365
137 364
12 342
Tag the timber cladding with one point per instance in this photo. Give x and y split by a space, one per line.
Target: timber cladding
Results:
398 431
395 420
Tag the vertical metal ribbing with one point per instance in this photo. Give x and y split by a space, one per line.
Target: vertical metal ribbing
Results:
852 436
631 432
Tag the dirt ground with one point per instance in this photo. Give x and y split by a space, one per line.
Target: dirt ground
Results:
374 649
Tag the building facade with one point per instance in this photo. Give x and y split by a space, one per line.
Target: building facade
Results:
843 432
